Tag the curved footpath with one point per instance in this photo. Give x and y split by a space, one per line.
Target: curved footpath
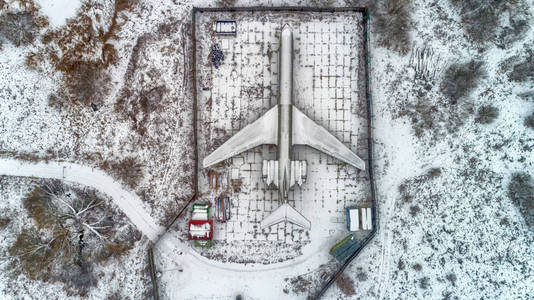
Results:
128 202
197 271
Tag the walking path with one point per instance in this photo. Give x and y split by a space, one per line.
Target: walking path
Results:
197 271
128 202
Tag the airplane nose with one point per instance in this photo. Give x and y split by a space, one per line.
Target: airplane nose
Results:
286 31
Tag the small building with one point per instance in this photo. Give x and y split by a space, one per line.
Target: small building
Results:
342 250
224 206
367 218
355 214
353 219
225 27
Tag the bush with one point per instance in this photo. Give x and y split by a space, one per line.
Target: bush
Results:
529 121
521 192
460 79
393 25
521 189
4 222
523 70
346 285
481 20
487 114
87 82
128 171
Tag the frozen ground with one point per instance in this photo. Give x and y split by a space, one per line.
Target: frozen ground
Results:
448 234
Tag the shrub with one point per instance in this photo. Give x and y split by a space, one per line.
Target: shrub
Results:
393 25
39 209
346 285
128 170
4 222
521 189
19 28
487 114
424 283
87 82
481 20
529 121
414 210
451 277
460 79
528 96
225 3
322 3
433 173
521 192
523 70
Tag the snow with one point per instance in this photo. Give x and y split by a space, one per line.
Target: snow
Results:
453 236
120 277
129 203
58 11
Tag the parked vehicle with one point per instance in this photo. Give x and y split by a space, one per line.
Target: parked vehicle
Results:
224 207
200 226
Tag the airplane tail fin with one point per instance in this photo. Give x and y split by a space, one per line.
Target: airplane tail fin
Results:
285 213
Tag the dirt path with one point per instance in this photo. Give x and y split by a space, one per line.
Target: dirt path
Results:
128 202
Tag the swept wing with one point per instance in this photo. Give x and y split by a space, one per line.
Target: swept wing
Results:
307 132
263 131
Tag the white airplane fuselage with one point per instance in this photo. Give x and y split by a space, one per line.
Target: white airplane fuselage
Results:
285 111
284 125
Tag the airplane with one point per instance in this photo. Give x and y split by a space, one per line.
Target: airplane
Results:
284 126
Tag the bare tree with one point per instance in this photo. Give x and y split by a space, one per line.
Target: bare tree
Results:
75 228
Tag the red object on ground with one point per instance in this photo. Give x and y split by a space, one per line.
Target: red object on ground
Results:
198 223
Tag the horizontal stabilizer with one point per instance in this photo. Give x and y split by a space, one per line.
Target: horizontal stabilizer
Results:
285 213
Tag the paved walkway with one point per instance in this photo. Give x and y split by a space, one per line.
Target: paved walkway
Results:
130 204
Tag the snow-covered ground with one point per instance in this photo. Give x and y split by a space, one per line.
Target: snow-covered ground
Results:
59 11
128 203
452 233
